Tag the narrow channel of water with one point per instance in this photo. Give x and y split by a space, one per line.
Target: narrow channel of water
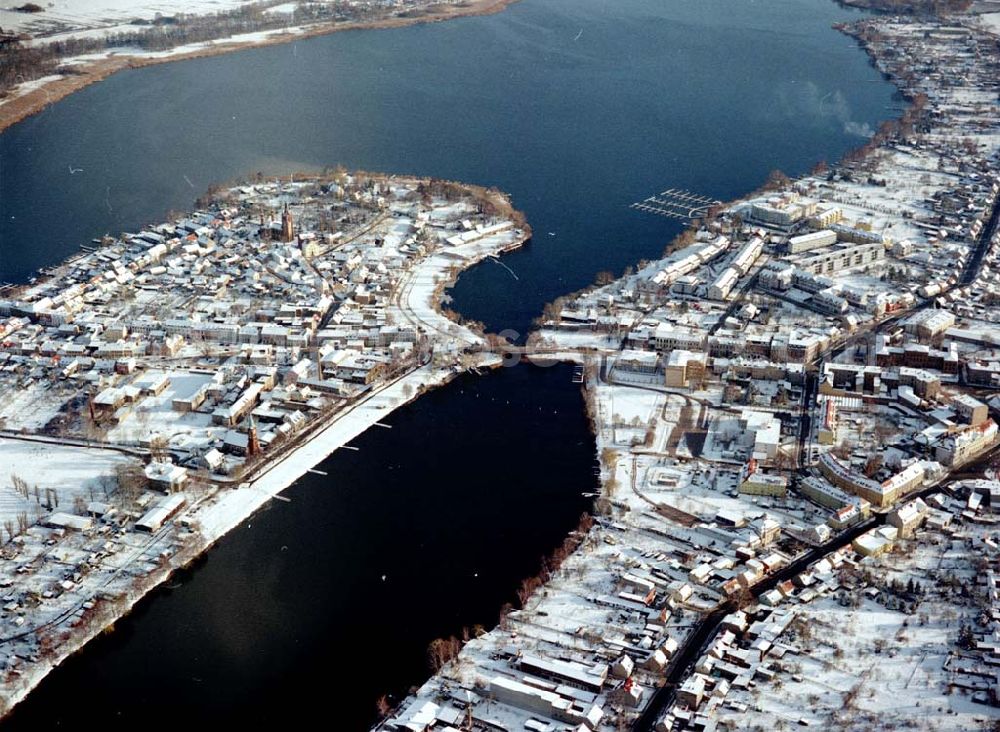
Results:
318 606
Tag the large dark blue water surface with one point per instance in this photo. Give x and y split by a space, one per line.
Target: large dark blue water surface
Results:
577 108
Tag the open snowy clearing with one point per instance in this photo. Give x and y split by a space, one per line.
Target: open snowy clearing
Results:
70 471
64 16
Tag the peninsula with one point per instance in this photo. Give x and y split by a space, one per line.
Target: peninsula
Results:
163 385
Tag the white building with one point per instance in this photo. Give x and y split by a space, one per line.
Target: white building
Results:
812 240
929 323
165 476
723 284
766 431
967 444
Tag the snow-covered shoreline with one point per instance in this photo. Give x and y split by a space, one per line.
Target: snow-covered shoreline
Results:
33 96
227 508
237 505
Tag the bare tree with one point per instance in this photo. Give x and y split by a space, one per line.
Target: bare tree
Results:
20 485
504 612
130 482
441 651
158 448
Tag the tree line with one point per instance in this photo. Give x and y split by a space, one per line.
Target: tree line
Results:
20 63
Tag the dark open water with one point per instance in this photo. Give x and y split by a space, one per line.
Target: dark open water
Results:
576 108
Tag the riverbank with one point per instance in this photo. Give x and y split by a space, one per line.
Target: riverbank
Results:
32 97
228 509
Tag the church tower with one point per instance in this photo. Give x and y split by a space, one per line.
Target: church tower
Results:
287 233
253 442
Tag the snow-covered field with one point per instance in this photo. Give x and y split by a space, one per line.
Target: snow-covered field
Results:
70 471
68 16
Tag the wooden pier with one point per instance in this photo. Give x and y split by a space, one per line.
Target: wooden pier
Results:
677 203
